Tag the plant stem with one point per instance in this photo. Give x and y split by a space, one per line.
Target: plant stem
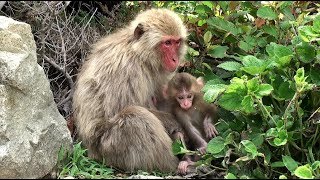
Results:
265 110
285 114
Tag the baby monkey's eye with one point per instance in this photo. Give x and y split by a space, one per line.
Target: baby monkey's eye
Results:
189 96
180 97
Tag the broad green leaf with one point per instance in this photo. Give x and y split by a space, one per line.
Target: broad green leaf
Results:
271 30
272 132
279 142
253 85
207 37
249 147
278 50
264 90
315 75
283 177
230 176
306 52
245 46
277 164
217 22
237 86
213 91
193 52
316 24
202 9
284 60
230 66
266 12
218 51
247 104
231 101
283 133
257 139
215 145
208 3
290 163
304 172
178 148
307 34
284 90
249 61
223 4
299 77
229 139
254 70
315 165
201 22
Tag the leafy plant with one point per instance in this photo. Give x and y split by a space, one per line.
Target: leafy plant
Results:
78 165
261 66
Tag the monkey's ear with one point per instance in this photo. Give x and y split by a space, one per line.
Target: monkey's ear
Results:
138 31
200 82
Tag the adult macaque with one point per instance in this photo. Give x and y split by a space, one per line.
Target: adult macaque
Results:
116 84
192 113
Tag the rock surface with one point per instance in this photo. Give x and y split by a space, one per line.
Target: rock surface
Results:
31 128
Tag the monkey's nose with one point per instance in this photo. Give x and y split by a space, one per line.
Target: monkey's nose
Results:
173 60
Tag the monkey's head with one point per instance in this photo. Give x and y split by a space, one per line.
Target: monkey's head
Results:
160 31
182 88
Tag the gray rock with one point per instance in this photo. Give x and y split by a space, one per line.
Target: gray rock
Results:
31 127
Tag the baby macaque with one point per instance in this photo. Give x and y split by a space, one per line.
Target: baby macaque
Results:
194 115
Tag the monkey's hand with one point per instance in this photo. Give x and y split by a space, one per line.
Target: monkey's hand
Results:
203 148
209 129
183 166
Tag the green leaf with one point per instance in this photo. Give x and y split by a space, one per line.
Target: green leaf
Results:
271 30
307 34
212 91
193 52
215 145
283 177
245 46
278 50
201 22
218 51
253 85
264 90
249 147
277 164
279 142
230 176
179 148
208 3
230 66
207 37
315 75
306 52
231 101
290 163
266 12
304 172
247 104
217 22
223 5
250 61
315 165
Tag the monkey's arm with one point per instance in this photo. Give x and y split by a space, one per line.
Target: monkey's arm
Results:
211 117
193 133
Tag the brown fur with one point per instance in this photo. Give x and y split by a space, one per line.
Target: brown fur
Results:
114 85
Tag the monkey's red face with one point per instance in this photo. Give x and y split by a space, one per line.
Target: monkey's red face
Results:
170 46
185 99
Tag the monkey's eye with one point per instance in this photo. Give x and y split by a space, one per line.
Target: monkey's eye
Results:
167 42
178 42
189 96
180 97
